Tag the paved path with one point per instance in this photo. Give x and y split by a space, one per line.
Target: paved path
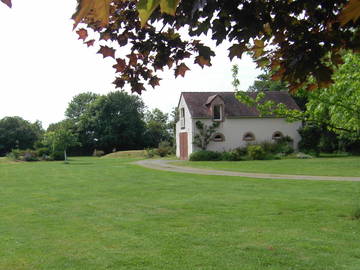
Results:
161 164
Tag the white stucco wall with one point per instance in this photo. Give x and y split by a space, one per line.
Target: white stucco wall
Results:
262 128
188 128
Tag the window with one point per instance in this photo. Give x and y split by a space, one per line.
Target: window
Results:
277 135
217 112
248 136
218 137
182 117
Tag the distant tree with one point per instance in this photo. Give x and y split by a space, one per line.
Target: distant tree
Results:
60 138
264 82
114 121
157 128
16 132
79 104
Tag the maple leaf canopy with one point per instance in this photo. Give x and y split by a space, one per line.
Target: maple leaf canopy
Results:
296 40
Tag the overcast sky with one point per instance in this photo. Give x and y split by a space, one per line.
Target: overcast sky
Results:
43 65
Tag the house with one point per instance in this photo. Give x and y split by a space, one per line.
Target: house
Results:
239 124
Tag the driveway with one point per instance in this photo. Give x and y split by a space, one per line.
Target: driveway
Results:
164 165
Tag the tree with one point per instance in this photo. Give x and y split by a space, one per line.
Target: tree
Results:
79 104
114 121
157 128
61 139
204 136
16 132
295 39
338 106
264 82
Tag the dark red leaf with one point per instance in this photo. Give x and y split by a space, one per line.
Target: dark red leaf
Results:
7 2
236 50
181 69
90 42
83 33
132 59
154 81
107 51
120 65
119 83
201 61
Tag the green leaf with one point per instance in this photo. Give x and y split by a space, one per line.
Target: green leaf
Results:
169 6
145 9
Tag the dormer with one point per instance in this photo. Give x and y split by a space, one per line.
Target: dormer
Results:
216 107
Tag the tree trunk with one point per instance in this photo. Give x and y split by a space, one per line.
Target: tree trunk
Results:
65 157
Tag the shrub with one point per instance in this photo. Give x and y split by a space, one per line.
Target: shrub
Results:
241 152
204 155
164 149
16 153
150 153
303 156
229 156
98 153
24 155
42 152
57 155
256 152
30 155
11 156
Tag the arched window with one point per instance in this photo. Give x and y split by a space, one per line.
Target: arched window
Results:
218 137
249 136
277 135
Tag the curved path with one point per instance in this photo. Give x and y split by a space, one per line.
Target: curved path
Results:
161 164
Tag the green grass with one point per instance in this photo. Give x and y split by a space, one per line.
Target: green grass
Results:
108 214
343 166
126 154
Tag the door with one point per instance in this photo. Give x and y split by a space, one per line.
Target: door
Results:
183 145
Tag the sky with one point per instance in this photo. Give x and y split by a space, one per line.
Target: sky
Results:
43 65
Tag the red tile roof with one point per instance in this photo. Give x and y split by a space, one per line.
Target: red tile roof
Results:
196 102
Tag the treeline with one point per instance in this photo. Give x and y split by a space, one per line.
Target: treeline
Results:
113 122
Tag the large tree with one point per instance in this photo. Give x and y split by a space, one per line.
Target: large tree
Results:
114 121
158 128
295 39
79 104
16 132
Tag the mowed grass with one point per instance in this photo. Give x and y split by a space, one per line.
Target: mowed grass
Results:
109 214
333 166
126 154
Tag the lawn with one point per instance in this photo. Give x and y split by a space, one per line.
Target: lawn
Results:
330 166
97 213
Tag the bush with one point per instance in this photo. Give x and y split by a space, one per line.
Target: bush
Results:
15 154
303 156
232 156
204 155
150 153
11 156
57 155
42 152
30 155
241 152
164 149
23 155
256 152
98 153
